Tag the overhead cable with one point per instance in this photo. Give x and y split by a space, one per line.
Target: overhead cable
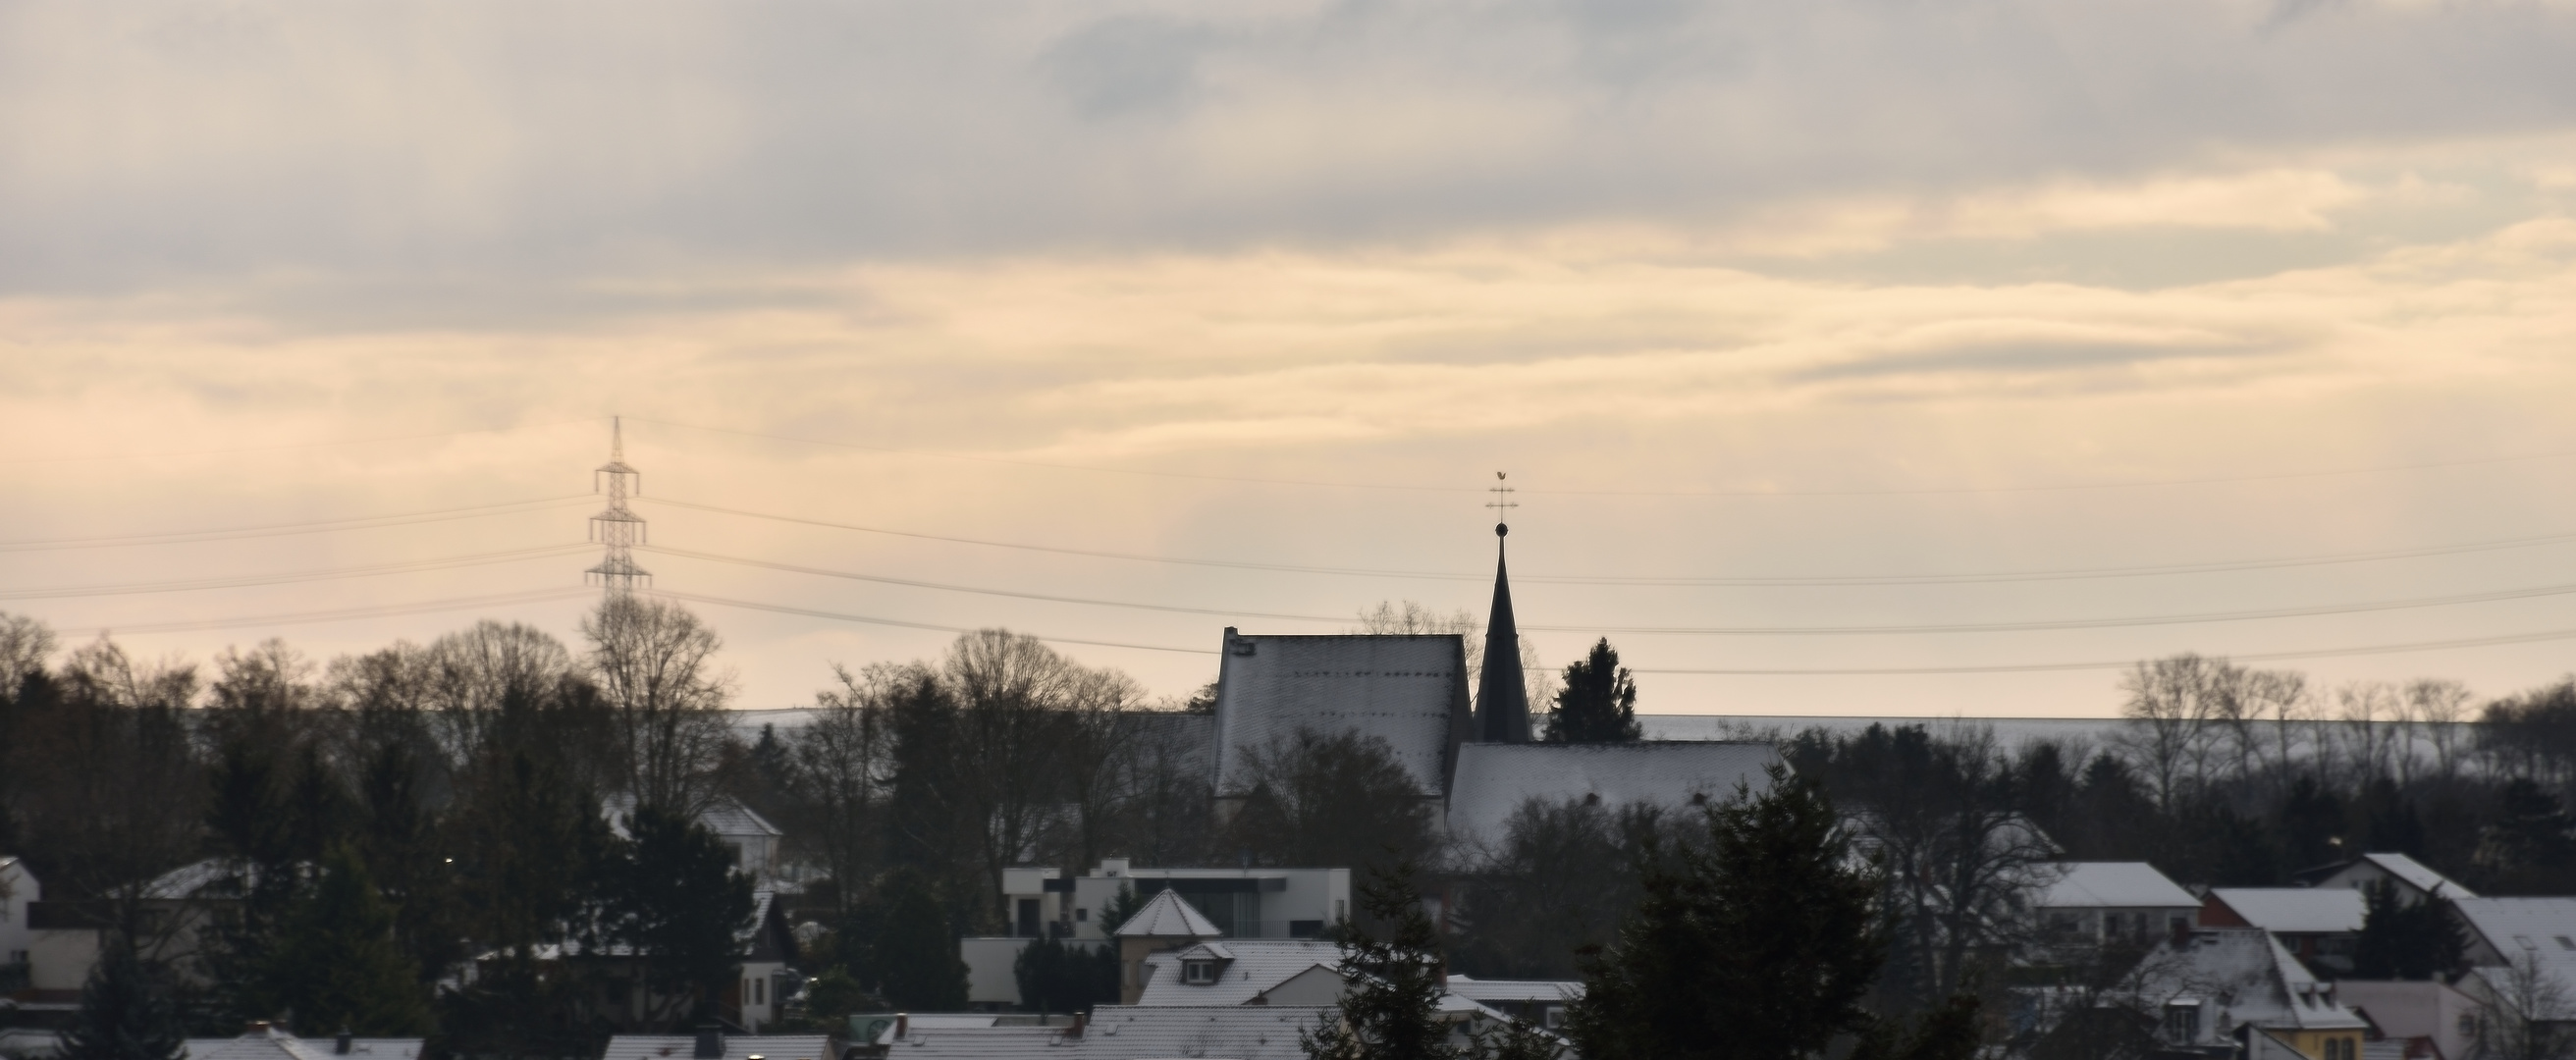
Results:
1684 581
369 522
889 580
1422 488
841 617
2320 653
338 615
404 567
331 443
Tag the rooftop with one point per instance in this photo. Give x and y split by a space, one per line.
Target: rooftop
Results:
736 1047
1410 691
1167 915
2295 910
1496 779
274 1044
1127 1032
2248 977
2112 885
1250 966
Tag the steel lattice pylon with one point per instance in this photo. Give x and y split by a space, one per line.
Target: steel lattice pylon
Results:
618 528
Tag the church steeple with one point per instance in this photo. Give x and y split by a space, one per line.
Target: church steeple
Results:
1502 699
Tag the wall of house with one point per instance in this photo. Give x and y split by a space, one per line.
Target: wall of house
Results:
2313 1044
61 958
17 889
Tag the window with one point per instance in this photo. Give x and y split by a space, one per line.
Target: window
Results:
1198 973
2566 943
2182 1021
760 991
1081 916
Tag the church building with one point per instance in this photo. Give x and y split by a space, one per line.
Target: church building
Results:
1474 761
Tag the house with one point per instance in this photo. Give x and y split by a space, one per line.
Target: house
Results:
750 837
2096 902
2413 879
1110 1032
2321 925
2428 1019
1241 903
1540 1001
712 1043
2522 953
766 948
18 891
2228 988
1244 972
1165 923
267 1042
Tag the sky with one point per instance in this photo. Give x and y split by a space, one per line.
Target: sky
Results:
1808 333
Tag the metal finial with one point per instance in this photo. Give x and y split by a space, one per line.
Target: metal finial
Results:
1502 504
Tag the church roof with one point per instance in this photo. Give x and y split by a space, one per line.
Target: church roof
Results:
1167 916
1409 691
1496 779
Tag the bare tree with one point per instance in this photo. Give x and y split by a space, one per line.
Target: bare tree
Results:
471 676
2280 698
2170 703
1099 756
840 759
25 644
1011 691
2528 1013
2442 707
1962 862
2368 710
655 665
1391 618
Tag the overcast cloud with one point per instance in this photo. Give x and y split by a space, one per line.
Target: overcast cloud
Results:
1633 245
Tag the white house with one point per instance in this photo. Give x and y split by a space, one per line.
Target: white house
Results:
751 838
266 1042
2413 879
18 890
2110 901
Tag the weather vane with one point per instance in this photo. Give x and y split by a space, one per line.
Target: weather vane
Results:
1502 504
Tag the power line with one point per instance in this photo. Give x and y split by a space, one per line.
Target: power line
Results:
167 453
2081 623
1419 488
1686 581
840 617
404 567
340 615
284 529
2321 653
943 587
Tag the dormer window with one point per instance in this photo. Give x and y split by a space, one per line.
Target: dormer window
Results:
1198 973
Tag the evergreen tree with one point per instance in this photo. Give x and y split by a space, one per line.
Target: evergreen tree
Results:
2406 940
337 966
1759 947
125 1013
913 958
1598 703
1390 1006
1055 977
675 897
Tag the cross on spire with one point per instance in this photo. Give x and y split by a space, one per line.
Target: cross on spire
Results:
1502 504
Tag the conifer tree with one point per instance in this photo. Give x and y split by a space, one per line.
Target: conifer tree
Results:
1390 1001
1598 703
125 1013
913 957
1760 947
2406 940
337 965
678 901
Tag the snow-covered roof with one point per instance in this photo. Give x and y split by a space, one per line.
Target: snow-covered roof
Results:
274 1044
1496 779
1489 991
2418 875
1410 691
211 878
1129 1032
2541 931
1250 966
2244 976
726 818
1167 916
736 1047
2295 910
2112 885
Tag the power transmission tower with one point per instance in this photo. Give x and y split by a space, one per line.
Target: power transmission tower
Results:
617 528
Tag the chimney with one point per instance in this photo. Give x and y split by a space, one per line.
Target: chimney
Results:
1075 1031
340 1045
902 1026
710 1042
256 1027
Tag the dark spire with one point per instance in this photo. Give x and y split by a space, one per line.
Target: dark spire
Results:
1502 700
